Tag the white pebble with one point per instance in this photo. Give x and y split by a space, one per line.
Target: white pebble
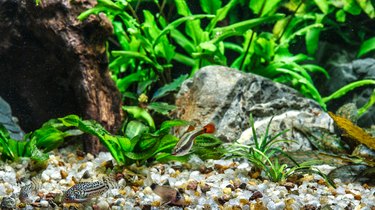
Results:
44 203
103 204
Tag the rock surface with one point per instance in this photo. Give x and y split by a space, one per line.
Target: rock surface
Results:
227 97
9 121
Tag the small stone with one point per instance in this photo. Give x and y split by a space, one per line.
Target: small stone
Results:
192 185
204 169
205 188
103 205
242 186
289 185
256 195
230 186
90 156
8 203
358 197
308 207
44 203
227 190
63 174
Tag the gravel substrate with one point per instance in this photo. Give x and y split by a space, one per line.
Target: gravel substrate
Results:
212 184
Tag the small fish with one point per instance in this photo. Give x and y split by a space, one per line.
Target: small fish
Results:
83 191
27 190
187 140
169 195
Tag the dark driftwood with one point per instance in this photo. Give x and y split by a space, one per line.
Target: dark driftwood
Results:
52 65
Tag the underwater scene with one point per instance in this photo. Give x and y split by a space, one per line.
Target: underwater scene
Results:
187 104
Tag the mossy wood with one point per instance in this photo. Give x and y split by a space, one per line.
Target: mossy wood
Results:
52 64
353 132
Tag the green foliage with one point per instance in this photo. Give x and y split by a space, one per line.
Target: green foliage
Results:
263 154
150 43
366 47
35 145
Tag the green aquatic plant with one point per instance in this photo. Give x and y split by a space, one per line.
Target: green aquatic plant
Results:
263 154
36 144
148 44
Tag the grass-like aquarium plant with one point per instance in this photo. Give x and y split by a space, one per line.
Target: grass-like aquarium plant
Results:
263 153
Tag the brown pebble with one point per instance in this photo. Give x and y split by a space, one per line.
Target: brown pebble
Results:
63 174
80 153
146 207
205 188
289 185
321 182
223 199
358 197
366 186
60 163
50 195
207 207
254 175
256 195
107 164
204 170
308 207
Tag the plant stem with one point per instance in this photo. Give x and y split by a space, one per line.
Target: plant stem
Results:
247 50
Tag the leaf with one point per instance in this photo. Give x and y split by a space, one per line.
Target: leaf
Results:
349 87
220 15
351 7
161 107
366 47
141 114
264 7
340 16
246 25
367 7
173 86
315 68
137 55
182 8
135 128
210 6
168 124
178 22
312 40
207 140
323 5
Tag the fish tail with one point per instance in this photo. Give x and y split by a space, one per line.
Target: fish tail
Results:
111 183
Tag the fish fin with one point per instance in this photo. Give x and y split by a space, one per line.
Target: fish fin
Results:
209 128
190 128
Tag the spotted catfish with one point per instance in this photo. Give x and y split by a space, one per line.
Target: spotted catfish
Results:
187 140
29 189
84 191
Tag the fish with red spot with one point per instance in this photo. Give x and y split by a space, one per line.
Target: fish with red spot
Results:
186 142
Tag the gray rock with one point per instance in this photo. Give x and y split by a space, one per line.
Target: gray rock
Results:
227 97
344 72
8 203
9 122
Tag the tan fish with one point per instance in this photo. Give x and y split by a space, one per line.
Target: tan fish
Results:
169 195
186 142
